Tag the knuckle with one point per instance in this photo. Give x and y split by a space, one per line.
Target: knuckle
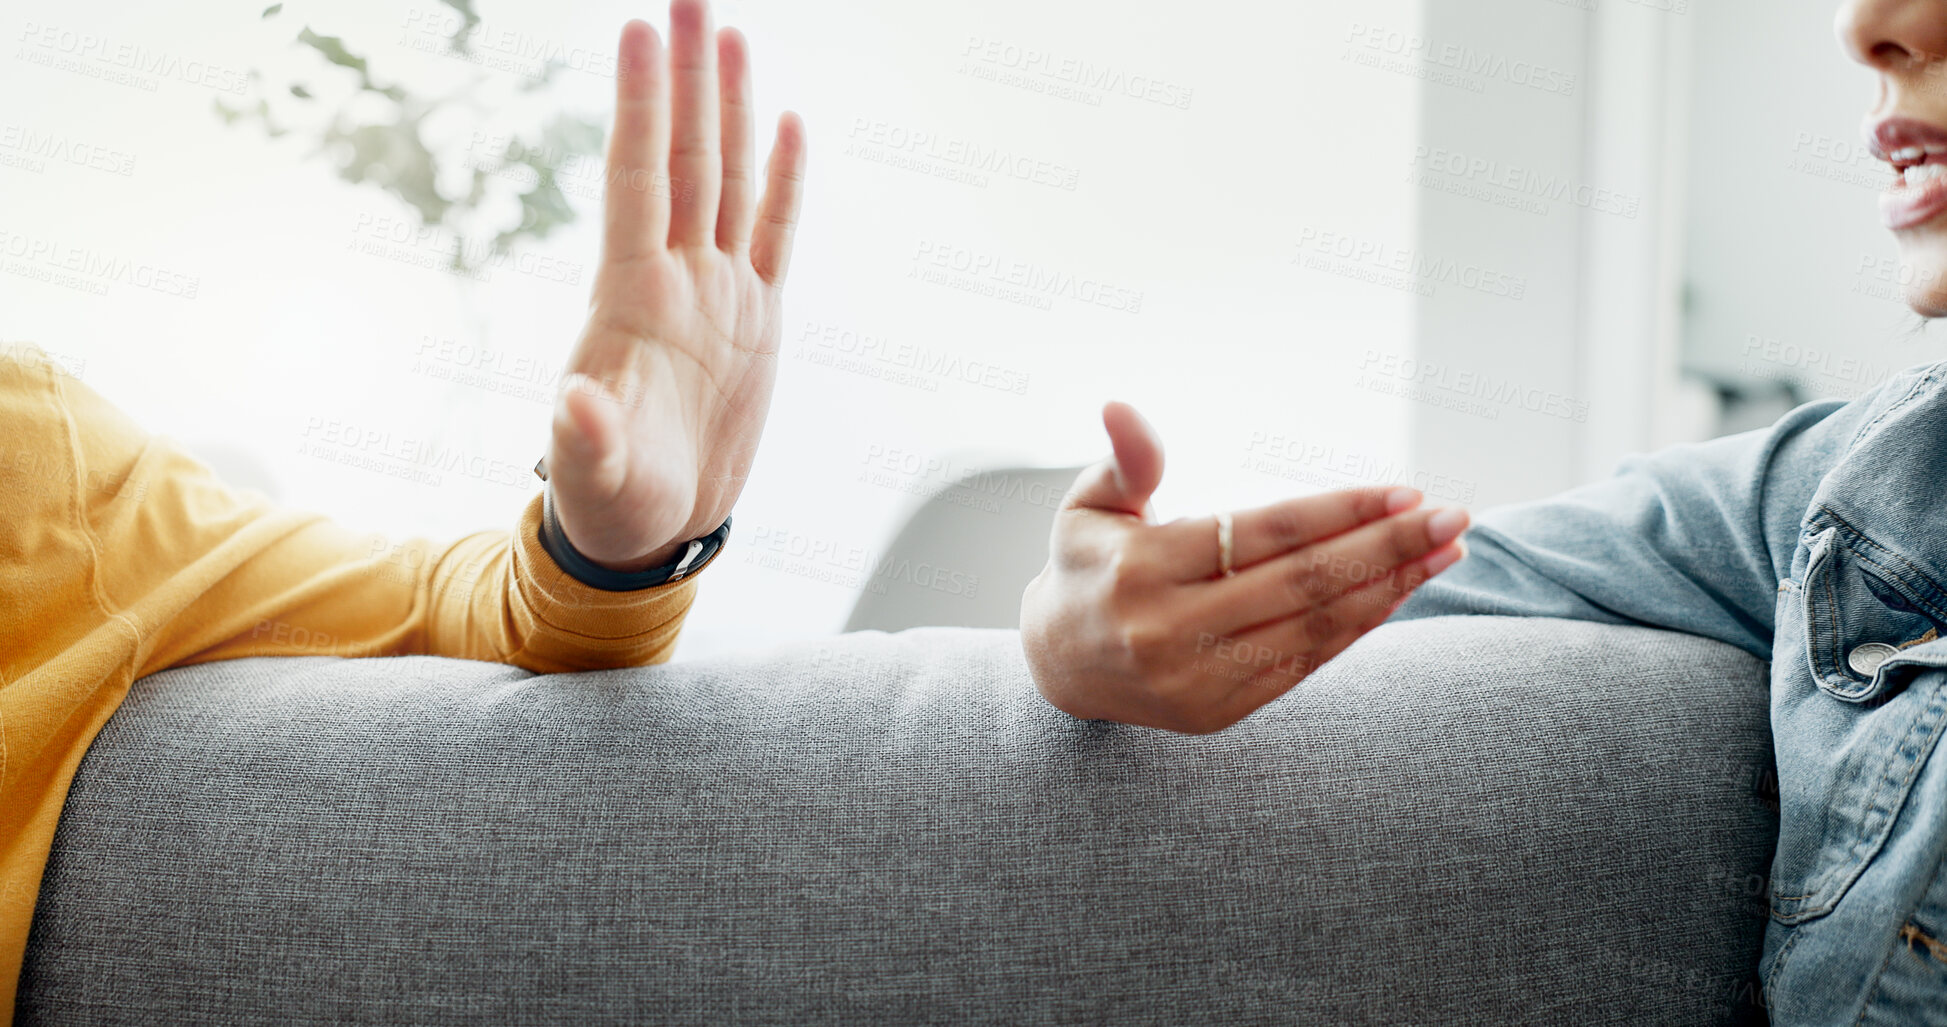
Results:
1066 546
1407 538
1397 582
1285 526
1318 626
1129 572
1303 580
1363 603
1079 544
1144 643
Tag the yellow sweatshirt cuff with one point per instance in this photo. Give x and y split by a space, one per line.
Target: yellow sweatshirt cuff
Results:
567 616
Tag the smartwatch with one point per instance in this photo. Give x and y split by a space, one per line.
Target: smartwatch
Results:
693 556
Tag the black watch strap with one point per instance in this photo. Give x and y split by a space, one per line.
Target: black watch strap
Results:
694 554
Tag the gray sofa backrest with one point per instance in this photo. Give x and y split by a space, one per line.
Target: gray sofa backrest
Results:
1461 821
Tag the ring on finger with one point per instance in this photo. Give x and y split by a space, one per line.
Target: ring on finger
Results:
1224 546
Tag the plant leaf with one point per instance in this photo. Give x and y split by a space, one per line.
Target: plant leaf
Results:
333 50
392 157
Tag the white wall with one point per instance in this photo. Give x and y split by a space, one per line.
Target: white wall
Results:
1789 275
1547 155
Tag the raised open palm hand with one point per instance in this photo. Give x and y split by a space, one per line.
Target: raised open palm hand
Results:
664 397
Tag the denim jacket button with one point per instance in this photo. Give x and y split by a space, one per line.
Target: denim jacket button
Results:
1865 659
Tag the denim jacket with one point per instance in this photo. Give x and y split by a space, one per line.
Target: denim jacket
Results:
1819 544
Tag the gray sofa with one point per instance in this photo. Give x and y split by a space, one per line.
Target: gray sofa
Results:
1461 821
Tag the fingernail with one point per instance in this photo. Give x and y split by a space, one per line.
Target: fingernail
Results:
1446 525
1401 499
1444 559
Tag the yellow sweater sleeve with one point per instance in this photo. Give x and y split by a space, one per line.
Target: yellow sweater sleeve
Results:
121 555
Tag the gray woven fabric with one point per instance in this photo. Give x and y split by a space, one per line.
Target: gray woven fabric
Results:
1462 821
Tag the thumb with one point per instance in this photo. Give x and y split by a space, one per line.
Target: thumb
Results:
588 432
1122 483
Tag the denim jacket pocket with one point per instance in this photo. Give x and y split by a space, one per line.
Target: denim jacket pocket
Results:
1862 611
1850 750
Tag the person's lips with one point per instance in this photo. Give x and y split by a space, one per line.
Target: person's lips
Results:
1918 153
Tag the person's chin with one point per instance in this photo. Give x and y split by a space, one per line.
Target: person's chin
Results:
1923 268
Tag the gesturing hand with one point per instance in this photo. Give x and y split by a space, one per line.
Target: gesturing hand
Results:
660 411
1131 622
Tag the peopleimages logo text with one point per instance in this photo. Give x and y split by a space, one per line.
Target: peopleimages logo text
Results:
908 356
1433 375
1031 279
132 57
1075 71
1411 263
458 36
1461 58
96 266
890 138
1525 181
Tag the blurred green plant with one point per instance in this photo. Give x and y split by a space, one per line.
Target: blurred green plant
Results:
383 144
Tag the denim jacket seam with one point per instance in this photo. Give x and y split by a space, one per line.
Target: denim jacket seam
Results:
1778 964
1872 984
1928 715
1893 947
1929 718
1807 593
1832 606
1812 649
1857 543
1853 531
1912 392
1894 572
